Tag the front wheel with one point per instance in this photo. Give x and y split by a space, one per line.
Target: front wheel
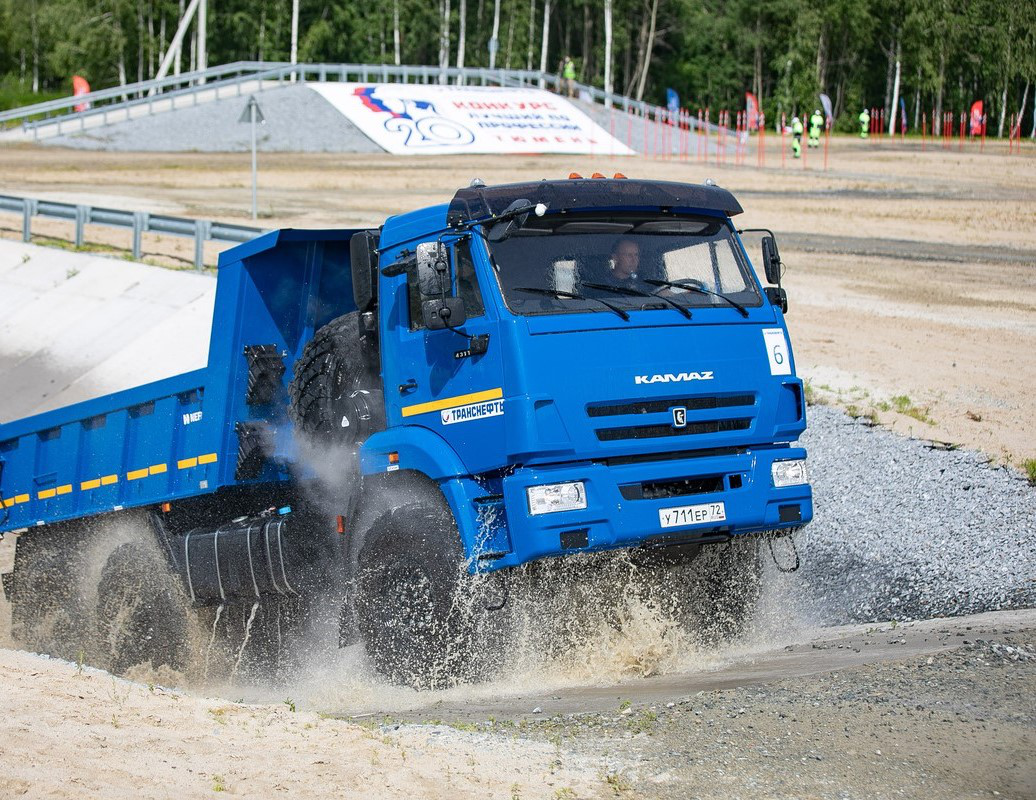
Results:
724 589
417 607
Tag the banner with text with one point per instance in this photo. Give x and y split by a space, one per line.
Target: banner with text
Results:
418 118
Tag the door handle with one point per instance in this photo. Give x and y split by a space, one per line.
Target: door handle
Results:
409 386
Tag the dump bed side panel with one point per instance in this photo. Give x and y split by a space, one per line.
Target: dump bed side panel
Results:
127 449
194 433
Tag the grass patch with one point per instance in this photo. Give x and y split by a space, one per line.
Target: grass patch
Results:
1029 467
811 395
902 404
618 784
15 94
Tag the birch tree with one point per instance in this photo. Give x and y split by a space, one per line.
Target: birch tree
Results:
649 47
461 34
546 38
494 40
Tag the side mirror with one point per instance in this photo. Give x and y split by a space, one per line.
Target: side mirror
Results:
777 297
511 224
439 313
771 260
433 269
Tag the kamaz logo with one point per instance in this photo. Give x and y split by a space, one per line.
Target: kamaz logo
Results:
673 377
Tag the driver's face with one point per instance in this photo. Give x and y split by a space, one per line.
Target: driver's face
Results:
627 260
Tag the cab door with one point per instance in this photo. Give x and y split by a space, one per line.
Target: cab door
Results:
432 377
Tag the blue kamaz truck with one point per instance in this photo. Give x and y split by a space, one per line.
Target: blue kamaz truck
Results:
531 370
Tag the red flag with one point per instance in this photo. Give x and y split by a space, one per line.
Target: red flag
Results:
976 118
752 106
80 86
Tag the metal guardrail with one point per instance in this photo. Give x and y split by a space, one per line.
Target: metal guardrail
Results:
129 91
140 222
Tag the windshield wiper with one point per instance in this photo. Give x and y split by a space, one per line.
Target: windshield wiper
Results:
631 292
571 296
691 288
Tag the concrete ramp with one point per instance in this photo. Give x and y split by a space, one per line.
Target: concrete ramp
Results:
297 119
75 326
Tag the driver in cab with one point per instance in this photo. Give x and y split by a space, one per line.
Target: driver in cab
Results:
625 262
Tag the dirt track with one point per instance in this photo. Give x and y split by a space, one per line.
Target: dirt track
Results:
938 709
912 277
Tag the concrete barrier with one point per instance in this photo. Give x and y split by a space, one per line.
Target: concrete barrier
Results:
76 325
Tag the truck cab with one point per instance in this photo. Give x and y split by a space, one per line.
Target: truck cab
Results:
620 377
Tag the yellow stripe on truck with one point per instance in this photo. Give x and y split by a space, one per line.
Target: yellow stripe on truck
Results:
451 402
136 474
86 486
208 458
187 463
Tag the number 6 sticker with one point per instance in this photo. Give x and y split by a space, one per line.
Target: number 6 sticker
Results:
777 351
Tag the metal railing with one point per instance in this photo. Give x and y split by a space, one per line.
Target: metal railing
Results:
139 222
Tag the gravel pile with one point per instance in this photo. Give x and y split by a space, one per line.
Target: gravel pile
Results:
298 120
906 531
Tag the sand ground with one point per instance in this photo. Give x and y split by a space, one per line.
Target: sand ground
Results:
911 276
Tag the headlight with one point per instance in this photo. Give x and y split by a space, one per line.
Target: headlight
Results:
789 473
556 497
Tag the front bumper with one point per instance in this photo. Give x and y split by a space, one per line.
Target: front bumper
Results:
624 500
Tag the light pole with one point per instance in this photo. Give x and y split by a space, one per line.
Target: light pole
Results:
253 115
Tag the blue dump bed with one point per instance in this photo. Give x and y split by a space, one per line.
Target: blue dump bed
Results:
194 433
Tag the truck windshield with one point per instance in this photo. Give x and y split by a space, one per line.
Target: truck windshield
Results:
562 264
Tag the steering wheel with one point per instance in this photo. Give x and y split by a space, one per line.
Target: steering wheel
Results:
690 283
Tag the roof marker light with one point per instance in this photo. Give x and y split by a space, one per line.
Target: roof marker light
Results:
597 175
620 175
574 176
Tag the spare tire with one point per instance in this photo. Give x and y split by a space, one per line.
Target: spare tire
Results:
335 392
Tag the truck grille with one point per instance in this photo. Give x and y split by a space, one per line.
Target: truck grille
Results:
658 431
658 406
680 487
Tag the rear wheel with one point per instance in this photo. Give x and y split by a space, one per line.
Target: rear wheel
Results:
142 614
418 610
47 613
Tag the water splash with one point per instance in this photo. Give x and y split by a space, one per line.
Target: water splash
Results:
244 642
212 640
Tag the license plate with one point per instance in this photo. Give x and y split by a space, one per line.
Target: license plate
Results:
692 515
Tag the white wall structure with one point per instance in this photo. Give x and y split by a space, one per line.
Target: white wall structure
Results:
75 326
415 119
